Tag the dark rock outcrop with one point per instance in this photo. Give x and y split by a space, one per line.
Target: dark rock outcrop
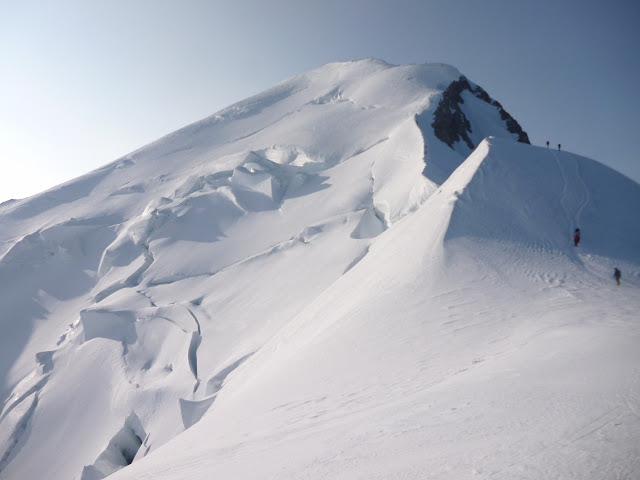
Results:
450 124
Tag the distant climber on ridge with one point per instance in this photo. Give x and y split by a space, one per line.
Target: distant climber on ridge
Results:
558 146
547 143
576 237
617 275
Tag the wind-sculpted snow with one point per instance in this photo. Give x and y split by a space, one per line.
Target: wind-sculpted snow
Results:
309 284
120 452
193 410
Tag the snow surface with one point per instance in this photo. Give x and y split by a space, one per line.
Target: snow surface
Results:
283 290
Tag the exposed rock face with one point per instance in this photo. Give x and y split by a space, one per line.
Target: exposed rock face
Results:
450 123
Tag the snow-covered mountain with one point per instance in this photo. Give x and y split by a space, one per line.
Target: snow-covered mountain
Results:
364 272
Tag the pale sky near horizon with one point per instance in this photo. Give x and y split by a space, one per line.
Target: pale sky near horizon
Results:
83 83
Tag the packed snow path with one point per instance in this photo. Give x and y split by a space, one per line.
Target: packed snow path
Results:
575 194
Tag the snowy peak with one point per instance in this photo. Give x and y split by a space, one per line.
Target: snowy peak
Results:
328 115
197 284
360 90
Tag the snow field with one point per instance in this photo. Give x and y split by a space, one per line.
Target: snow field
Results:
278 291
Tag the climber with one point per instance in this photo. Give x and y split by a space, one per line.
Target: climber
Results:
558 146
547 143
576 237
617 275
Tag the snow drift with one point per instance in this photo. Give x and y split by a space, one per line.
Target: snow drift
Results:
313 283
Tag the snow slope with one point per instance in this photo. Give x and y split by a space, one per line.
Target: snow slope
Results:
283 290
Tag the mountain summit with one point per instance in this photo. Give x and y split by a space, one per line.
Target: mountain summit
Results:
365 271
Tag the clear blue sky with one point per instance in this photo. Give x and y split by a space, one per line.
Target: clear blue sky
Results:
84 82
